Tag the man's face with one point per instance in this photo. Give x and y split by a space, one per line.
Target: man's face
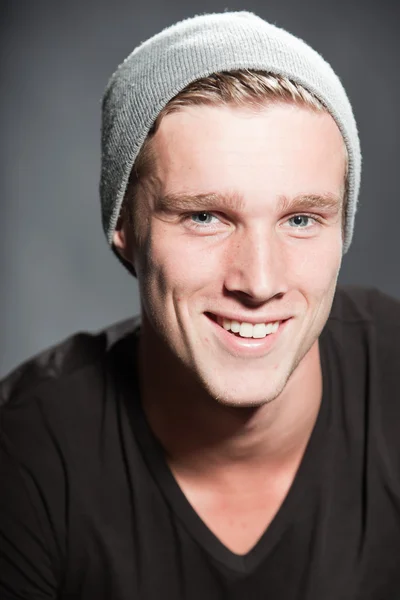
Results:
246 228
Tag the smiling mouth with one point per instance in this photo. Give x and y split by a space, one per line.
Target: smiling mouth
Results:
244 329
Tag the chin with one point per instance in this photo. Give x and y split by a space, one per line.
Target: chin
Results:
242 393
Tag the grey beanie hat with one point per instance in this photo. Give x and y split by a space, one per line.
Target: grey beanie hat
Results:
165 64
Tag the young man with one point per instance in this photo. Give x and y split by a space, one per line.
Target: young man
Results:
240 441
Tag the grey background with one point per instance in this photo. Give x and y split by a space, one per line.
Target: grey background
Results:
57 273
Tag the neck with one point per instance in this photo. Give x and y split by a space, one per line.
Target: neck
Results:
204 438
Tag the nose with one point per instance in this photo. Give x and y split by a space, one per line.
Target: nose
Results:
255 267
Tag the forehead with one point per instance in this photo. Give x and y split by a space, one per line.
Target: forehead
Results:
281 150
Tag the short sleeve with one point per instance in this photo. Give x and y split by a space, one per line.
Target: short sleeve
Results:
26 566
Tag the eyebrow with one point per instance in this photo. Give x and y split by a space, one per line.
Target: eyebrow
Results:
207 201
328 201
210 201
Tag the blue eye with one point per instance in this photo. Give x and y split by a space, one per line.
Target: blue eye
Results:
301 221
202 218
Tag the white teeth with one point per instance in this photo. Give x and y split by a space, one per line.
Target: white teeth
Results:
268 328
235 326
226 324
275 327
259 330
248 330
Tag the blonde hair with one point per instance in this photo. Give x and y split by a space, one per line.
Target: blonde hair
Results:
241 88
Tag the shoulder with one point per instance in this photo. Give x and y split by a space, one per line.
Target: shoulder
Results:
50 418
365 304
365 324
367 321
54 402
368 314
62 363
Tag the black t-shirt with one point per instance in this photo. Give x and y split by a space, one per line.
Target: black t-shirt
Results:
89 508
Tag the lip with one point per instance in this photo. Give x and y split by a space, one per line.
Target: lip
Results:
247 319
247 347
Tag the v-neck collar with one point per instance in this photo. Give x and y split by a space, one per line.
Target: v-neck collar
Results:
307 472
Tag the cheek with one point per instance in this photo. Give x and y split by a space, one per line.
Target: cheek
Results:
315 267
188 261
178 265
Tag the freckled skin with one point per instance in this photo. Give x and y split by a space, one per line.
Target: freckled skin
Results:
254 261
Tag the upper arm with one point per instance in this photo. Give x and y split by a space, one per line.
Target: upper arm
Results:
27 568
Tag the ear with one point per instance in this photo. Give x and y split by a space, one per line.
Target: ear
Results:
119 241
123 244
